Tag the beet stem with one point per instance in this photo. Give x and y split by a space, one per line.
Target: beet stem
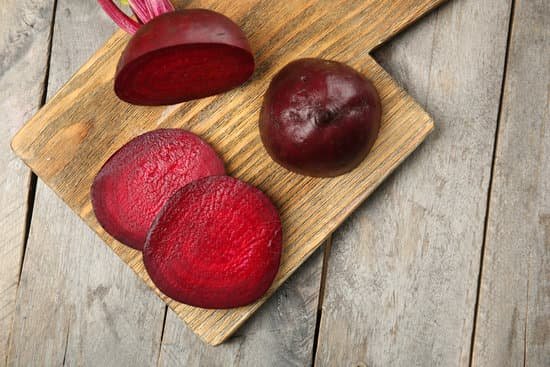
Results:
119 17
145 10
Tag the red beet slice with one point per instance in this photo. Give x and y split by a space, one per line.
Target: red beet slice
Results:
181 56
216 244
131 188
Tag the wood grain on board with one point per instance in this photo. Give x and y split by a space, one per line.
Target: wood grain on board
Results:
67 142
402 274
24 42
77 304
513 321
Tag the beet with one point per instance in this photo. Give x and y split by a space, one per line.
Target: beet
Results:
183 55
319 117
133 185
216 244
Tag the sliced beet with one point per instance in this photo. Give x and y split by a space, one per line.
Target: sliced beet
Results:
216 244
183 55
131 188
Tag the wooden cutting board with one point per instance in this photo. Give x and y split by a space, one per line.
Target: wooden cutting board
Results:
68 140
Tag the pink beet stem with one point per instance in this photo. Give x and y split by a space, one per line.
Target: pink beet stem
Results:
118 16
145 10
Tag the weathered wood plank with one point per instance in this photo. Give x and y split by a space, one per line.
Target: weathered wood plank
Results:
24 46
280 334
78 304
513 321
402 276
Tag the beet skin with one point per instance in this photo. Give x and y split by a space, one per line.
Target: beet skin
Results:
216 244
319 117
183 55
133 185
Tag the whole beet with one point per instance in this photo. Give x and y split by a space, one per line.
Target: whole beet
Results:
319 118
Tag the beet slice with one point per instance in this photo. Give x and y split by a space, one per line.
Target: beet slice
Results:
133 185
183 55
216 244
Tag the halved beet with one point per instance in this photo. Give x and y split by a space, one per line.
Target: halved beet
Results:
216 244
131 188
183 55
320 118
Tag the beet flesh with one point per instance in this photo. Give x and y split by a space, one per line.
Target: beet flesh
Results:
133 185
181 56
319 118
216 244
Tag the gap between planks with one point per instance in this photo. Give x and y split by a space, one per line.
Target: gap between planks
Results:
162 333
491 176
322 284
33 178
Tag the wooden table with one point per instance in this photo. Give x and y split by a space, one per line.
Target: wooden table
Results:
447 264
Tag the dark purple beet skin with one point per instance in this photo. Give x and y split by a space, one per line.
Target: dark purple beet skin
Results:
319 118
183 55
